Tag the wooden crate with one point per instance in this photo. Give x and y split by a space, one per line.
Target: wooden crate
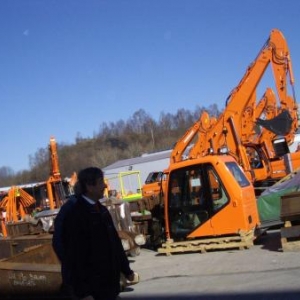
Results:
242 241
18 228
290 237
290 207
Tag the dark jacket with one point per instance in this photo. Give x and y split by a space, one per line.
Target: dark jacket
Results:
93 253
57 239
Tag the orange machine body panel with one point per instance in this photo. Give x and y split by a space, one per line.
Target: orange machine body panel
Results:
227 204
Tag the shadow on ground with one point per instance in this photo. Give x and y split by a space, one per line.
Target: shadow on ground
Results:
285 295
270 240
249 296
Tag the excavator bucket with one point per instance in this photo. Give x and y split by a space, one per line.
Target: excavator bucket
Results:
280 125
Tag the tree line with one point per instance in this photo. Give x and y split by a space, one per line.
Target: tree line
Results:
114 141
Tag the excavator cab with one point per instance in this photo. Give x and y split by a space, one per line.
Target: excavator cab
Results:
201 204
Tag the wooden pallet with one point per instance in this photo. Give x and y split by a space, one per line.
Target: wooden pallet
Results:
290 237
241 241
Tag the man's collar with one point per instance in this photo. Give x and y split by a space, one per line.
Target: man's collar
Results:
90 201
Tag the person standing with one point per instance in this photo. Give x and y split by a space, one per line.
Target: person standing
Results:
58 241
90 249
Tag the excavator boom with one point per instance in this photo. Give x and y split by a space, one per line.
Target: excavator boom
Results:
235 127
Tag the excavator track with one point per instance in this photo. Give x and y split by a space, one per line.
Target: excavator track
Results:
241 241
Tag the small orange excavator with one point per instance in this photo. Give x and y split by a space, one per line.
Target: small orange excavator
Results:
16 205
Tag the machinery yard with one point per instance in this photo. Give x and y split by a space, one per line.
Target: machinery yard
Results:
224 219
151 150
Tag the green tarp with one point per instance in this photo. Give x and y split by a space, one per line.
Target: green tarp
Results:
269 203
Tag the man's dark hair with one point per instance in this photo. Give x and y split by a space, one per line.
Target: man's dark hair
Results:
87 176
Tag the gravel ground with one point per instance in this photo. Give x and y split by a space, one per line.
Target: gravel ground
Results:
262 272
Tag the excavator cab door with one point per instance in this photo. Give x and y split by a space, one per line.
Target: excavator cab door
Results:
195 195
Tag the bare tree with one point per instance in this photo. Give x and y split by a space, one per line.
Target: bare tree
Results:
114 141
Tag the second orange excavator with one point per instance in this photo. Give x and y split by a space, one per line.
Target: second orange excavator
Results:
235 131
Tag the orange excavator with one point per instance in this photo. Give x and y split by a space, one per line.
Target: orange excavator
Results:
210 194
264 137
55 191
234 134
265 109
268 109
152 186
16 205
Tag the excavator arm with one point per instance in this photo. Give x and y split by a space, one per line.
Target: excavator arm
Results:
53 183
201 125
54 166
267 106
231 130
266 110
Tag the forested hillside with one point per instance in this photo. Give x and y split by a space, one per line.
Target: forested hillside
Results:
112 142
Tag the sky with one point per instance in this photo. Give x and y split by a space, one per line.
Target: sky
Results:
68 66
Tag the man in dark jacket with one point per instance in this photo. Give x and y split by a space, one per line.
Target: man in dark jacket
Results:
91 251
